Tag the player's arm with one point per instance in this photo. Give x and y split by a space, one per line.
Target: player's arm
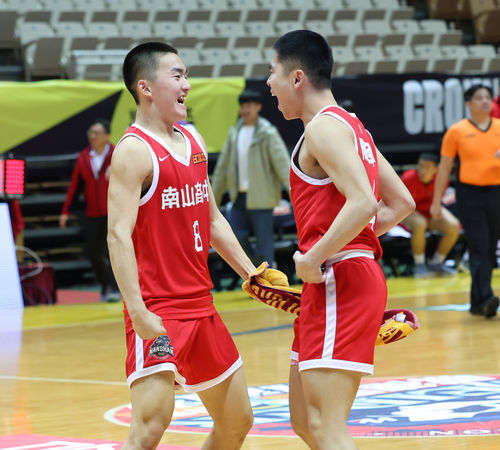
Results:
131 166
442 179
225 243
396 201
331 144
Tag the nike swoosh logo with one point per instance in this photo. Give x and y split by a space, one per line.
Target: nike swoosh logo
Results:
164 158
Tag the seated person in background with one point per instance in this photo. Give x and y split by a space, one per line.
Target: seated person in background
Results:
420 183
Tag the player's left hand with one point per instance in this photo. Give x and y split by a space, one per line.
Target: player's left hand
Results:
308 271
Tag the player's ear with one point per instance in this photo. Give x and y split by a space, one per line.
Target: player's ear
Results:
143 87
298 77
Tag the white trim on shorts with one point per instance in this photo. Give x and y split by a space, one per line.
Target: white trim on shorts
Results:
365 369
204 385
331 322
141 372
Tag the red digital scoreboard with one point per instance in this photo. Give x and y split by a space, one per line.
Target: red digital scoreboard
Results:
11 178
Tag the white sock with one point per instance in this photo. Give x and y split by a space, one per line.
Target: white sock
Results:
419 258
438 258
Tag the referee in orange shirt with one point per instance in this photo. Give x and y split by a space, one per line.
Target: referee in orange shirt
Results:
476 144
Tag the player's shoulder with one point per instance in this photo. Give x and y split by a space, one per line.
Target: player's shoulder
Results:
131 151
325 125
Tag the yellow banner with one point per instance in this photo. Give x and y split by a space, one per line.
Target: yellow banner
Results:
29 109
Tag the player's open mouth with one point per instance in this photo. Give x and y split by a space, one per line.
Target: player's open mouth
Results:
181 100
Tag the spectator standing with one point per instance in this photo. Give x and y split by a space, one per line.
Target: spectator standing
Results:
252 166
91 173
476 144
420 183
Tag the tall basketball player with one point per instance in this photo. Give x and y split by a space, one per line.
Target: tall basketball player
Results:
162 220
344 195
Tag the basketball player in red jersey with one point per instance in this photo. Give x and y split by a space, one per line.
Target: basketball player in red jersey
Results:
344 195
162 220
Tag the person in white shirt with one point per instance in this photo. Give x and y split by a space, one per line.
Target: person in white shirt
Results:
253 165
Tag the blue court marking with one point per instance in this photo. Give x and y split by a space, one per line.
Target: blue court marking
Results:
263 330
455 307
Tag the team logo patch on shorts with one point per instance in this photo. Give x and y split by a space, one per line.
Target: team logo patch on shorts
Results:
447 405
161 348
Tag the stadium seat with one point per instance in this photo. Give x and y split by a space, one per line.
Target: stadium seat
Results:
319 20
232 70
229 23
202 70
214 5
451 37
188 50
92 5
493 64
7 29
117 43
151 5
347 21
415 65
22 6
259 23
385 66
243 4
36 25
135 24
71 24
474 64
98 72
433 26
258 70
215 50
287 20
356 67
199 23
483 50
444 64
247 50
168 23
43 58
103 24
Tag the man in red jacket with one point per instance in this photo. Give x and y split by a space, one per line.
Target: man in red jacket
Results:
91 173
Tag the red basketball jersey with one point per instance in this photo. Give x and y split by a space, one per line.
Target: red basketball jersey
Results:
316 203
172 232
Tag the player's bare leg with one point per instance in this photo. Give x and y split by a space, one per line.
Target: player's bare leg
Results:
449 225
152 408
297 405
417 224
229 406
329 394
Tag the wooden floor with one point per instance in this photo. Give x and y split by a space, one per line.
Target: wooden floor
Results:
61 367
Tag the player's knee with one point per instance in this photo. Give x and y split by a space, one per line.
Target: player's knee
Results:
300 428
146 436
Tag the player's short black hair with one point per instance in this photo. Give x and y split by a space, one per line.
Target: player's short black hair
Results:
106 124
142 62
309 51
250 95
428 156
469 93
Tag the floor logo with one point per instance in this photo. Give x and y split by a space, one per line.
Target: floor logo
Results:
458 405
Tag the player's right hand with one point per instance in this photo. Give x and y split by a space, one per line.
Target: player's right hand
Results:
148 325
63 219
435 211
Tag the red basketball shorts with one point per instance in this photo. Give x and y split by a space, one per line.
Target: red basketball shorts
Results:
340 318
200 352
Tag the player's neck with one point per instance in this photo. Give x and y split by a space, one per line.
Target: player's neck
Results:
315 102
154 124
